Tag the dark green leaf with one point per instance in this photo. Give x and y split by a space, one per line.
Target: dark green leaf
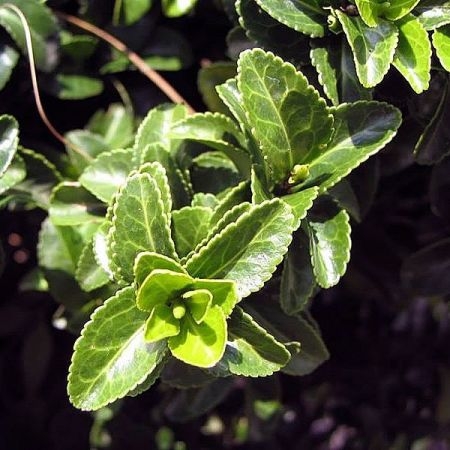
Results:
362 128
412 56
133 10
181 375
71 204
305 16
373 48
251 351
434 143
111 357
298 283
288 117
441 42
233 197
231 96
8 60
139 224
211 76
77 87
190 226
9 132
300 202
88 273
330 243
14 174
77 46
433 14
248 250
107 173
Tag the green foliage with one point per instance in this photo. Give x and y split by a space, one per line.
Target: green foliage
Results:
196 242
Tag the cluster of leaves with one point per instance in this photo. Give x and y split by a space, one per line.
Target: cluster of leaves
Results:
192 244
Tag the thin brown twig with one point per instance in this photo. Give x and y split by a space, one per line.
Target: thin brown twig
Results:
34 83
140 64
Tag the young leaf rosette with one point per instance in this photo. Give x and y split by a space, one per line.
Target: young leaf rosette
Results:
190 313
182 272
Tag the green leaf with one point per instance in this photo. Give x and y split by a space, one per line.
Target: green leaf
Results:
433 14
205 200
224 293
88 273
198 303
203 344
288 117
78 46
373 48
305 16
434 143
232 97
71 204
190 226
14 174
139 224
251 351
107 173
184 376
161 324
216 131
441 42
362 128
211 76
301 202
290 330
77 87
248 250
151 378
399 8
146 262
269 33
115 125
133 10
91 145
330 243
155 128
9 132
412 56
298 283
100 248
178 180
161 286
111 357
370 10
177 8
8 60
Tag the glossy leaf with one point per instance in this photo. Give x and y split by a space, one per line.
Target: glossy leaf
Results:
15 173
216 131
139 224
88 273
369 10
111 357
115 125
288 330
232 97
373 48
288 117
412 56
176 8
269 33
305 16
190 227
337 74
71 204
107 173
330 248
203 344
77 87
300 202
399 8
433 14
8 60
441 42
251 351
362 128
224 293
100 248
248 250
161 324
298 283
9 132
156 126
146 262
